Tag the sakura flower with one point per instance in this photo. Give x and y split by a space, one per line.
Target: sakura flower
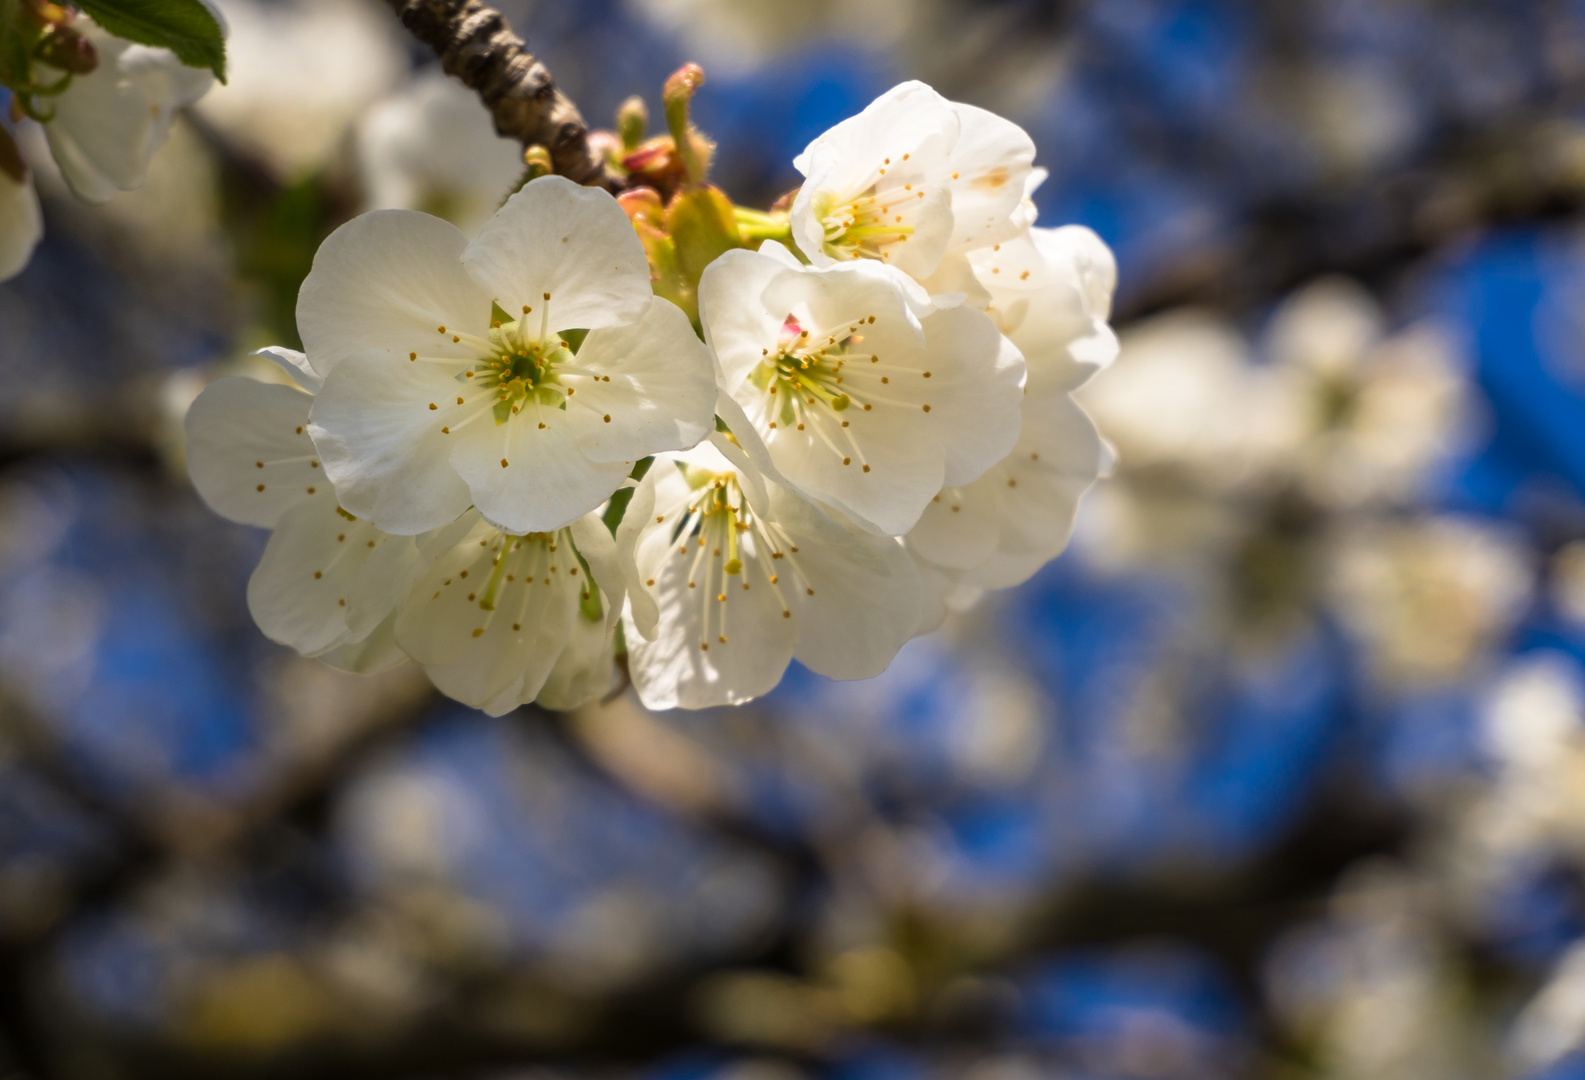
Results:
910 179
999 530
109 122
327 580
502 620
523 373
432 146
740 575
1050 291
862 396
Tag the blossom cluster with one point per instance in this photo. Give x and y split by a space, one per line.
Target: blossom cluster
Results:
509 460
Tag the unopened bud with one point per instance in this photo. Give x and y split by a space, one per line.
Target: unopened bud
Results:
537 159
693 148
48 13
632 122
64 48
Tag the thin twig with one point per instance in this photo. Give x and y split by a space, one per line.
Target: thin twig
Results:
476 45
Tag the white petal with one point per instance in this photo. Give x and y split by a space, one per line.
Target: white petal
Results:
959 529
686 665
295 364
436 623
866 593
501 658
737 322
109 123
382 445
390 279
1038 488
640 603
21 224
374 653
979 395
991 162
657 392
897 149
311 575
572 242
611 569
547 481
586 668
249 453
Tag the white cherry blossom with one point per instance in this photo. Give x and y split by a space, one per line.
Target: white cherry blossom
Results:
1050 291
433 147
909 180
432 404
860 394
108 123
737 576
327 581
998 531
501 620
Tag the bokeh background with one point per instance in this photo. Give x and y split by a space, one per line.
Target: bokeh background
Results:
1279 772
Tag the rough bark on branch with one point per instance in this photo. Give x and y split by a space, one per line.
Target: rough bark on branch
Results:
476 45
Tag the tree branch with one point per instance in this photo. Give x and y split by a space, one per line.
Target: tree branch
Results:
476 45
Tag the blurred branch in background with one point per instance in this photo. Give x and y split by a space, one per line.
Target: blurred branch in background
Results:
476 45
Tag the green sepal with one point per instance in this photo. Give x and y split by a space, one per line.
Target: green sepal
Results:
703 226
498 315
589 605
502 410
617 507
186 27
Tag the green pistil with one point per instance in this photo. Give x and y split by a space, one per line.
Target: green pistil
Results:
487 601
522 371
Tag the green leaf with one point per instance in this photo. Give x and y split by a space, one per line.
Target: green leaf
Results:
186 27
13 45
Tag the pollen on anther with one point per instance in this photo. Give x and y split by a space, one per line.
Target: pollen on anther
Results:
722 639
885 381
868 407
786 614
433 406
445 431
258 464
478 630
542 425
259 488
927 374
412 356
440 329
875 359
847 461
459 401
1024 276
1034 457
318 574
811 592
1012 482
299 431
526 309
517 626
607 418
464 573
866 468
800 427
503 463
310 491
927 408
704 646
547 296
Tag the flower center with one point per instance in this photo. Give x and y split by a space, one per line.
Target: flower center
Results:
866 221
819 382
521 367
730 549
